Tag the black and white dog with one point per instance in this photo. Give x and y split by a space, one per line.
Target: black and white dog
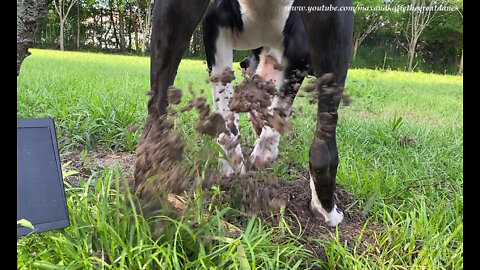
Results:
298 40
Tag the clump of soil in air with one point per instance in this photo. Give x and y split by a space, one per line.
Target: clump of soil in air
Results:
157 157
211 124
227 76
278 66
253 94
174 95
279 123
328 88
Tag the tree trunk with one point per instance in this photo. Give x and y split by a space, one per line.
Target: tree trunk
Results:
117 43
78 26
105 38
30 13
129 28
148 23
62 15
101 29
411 53
460 67
135 29
355 46
60 38
121 26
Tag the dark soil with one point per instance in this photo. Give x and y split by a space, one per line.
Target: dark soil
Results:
278 123
249 194
212 125
95 161
267 196
254 95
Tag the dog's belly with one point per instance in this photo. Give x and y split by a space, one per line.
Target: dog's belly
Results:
255 35
263 24
251 39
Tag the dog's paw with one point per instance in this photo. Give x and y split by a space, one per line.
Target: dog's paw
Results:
266 148
225 168
332 218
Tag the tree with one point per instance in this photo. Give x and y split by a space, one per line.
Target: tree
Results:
30 13
440 33
460 11
144 17
121 24
366 22
460 66
420 17
62 15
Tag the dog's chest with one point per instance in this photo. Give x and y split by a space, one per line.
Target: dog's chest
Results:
263 23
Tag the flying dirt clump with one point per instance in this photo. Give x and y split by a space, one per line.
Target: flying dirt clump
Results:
227 76
253 94
329 88
211 124
160 148
174 95
278 123
157 156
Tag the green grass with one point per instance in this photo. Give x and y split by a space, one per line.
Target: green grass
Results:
414 189
109 232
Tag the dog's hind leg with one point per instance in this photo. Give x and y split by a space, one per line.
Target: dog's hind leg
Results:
289 77
295 63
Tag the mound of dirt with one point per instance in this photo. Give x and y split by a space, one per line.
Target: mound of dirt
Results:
267 197
248 193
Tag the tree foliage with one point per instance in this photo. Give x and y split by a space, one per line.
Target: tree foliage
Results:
381 38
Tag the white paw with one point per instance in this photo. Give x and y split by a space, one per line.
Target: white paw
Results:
335 217
225 168
332 218
235 164
266 148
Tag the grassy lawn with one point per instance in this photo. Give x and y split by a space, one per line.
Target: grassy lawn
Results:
401 155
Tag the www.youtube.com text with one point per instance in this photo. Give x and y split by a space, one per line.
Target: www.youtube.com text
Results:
383 8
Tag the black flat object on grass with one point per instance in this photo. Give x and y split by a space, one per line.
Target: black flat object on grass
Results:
40 191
